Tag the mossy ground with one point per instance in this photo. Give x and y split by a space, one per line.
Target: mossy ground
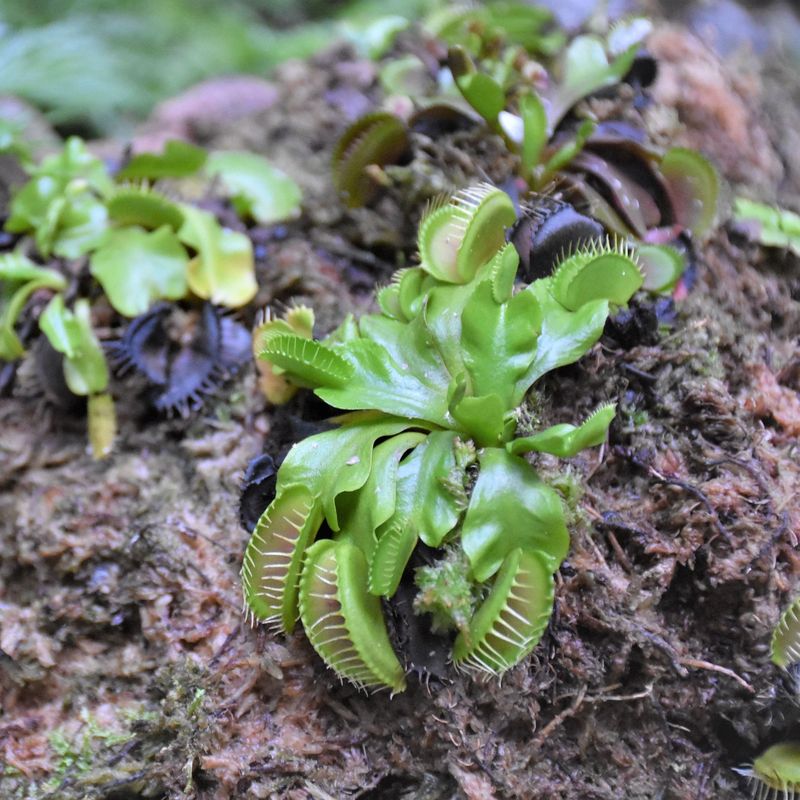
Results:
127 671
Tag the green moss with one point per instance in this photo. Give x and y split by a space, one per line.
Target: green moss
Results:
76 754
446 592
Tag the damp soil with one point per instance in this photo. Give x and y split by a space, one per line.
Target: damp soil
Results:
127 670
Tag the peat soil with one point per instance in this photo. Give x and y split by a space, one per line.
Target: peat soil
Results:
127 671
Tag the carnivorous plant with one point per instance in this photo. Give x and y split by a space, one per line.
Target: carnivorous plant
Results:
429 450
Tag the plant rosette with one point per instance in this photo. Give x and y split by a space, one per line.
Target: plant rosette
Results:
428 450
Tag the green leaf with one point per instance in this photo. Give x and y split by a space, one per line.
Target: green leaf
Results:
586 69
598 272
61 195
509 508
457 238
308 363
362 512
140 205
498 341
662 266
442 314
512 619
391 557
81 226
775 227
66 217
275 553
258 189
534 131
336 461
19 279
30 204
435 510
693 186
565 335
378 382
343 620
223 270
483 93
503 272
179 160
484 419
411 346
70 332
520 23
17 268
136 268
412 287
425 508
567 440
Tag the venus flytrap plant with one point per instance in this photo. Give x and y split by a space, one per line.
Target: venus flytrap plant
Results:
775 773
785 648
633 190
378 139
144 248
490 67
432 387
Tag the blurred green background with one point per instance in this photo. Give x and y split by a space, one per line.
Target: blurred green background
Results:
98 66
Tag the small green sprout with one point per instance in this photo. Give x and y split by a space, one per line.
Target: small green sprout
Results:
433 385
785 649
483 92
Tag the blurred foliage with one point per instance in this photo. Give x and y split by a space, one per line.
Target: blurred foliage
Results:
97 66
